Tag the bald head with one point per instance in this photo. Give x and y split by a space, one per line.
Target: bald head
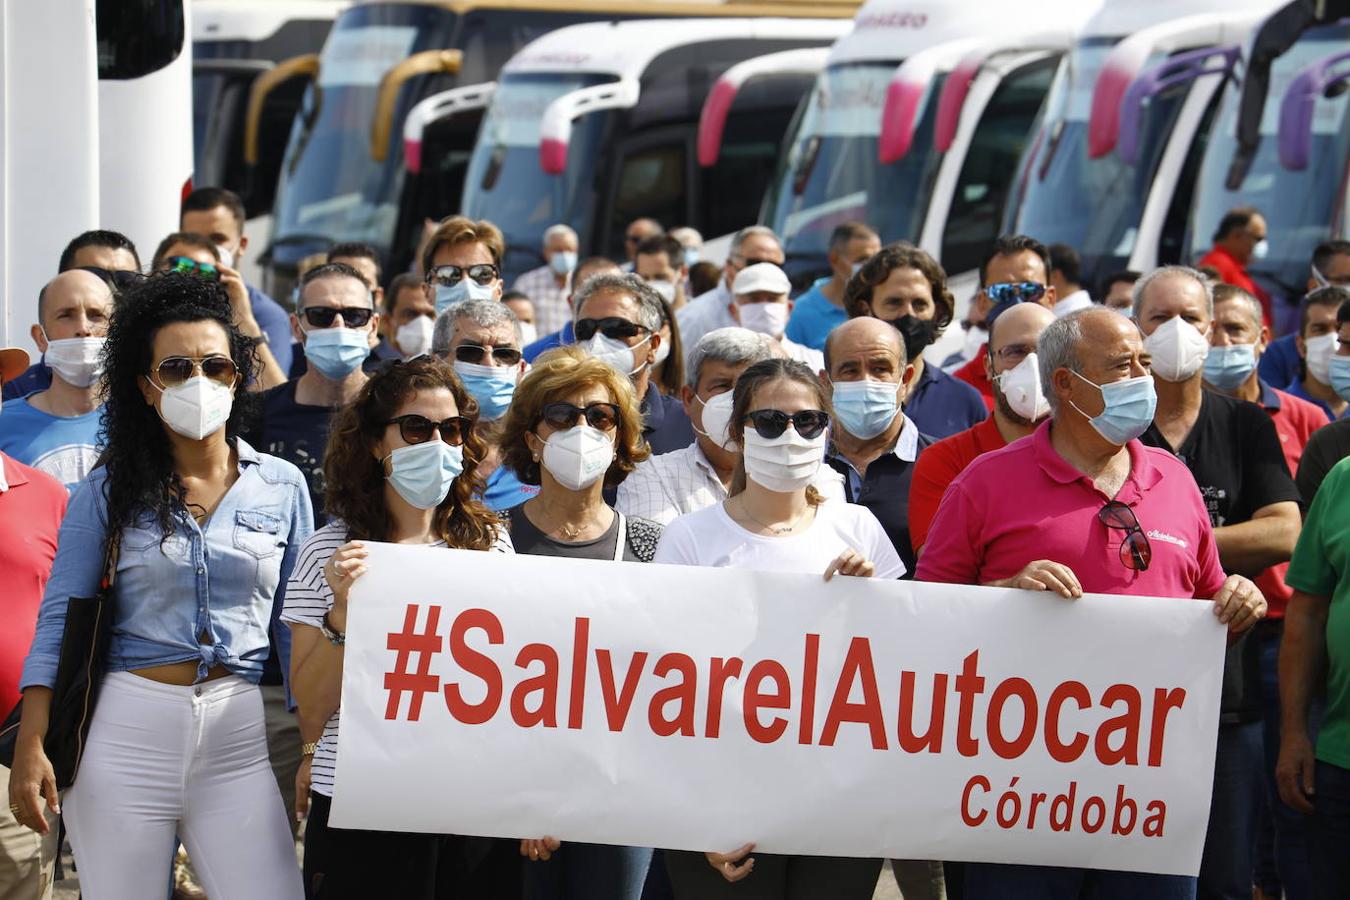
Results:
860 339
1023 322
73 287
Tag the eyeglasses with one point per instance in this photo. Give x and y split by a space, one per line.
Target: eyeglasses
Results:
324 316
121 279
474 353
417 429
1135 550
185 265
175 370
1015 353
483 273
619 329
771 423
601 416
1015 292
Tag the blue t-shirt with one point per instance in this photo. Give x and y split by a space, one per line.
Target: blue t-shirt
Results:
1280 362
505 491
37 377
562 336
1295 389
65 448
814 317
275 322
297 433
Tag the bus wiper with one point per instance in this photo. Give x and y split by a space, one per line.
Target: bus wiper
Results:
494 167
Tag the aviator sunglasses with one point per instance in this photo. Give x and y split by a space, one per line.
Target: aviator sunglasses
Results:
175 370
1135 550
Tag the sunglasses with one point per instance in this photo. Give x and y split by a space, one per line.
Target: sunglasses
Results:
1135 550
416 429
474 353
483 273
619 329
352 316
1015 292
175 370
600 416
187 266
771 423
121 279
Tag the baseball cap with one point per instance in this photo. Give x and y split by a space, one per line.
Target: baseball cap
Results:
761 277
13 362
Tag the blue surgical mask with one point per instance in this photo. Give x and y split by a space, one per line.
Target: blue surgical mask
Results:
491 386
1339 372
336 352
1228 367
691 255
563 262
447 295
1128 410
423 473
865 408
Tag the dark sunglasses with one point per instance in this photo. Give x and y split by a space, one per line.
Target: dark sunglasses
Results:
121 279
483 273
1135 550
619 329
601 416
1015 292
416 429
352 316
474 353
175 370
187 266
771 423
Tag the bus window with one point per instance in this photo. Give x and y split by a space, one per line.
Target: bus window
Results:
991 161
137 37
652 182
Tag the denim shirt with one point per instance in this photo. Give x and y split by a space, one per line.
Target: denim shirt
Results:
208 594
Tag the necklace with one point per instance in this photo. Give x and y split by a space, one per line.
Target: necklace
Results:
776 529
569 532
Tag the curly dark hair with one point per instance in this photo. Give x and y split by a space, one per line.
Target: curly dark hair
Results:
137 453
354 478
900 255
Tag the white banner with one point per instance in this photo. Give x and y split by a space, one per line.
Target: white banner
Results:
701 709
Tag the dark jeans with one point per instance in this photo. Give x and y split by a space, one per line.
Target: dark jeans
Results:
588 872
354 864
988 881
1329 834
775 878
1239 764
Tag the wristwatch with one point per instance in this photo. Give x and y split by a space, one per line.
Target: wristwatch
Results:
338 638
309 748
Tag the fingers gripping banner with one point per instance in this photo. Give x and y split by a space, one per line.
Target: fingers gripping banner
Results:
702 709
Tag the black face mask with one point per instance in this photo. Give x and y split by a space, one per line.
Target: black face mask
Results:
918 334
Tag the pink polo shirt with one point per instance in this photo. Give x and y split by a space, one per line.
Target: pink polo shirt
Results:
1025 502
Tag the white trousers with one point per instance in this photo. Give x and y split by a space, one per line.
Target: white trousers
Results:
164 760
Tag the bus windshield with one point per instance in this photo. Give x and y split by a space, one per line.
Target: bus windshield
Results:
505 182
831 173
1298 206
1094 205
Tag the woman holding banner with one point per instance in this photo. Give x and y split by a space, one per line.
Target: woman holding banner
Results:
775 521
401 466
574 429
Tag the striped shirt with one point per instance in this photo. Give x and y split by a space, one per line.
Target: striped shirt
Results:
551 311
308 599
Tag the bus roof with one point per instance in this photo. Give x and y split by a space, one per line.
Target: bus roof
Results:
817 9
1116 20
255 20
893 30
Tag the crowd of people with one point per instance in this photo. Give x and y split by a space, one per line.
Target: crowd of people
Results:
217 463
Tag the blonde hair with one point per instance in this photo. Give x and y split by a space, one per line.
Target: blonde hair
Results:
463 230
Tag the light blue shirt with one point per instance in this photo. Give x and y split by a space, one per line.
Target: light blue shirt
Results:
64 447
814 317
207 594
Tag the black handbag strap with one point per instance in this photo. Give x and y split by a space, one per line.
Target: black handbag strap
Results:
110 557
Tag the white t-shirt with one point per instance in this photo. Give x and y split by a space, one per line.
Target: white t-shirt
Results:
710 537
308 599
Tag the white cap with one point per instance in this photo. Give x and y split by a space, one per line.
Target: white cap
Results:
761 277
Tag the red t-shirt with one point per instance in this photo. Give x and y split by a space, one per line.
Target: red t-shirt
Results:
974 374
31 509
1233 272
938 466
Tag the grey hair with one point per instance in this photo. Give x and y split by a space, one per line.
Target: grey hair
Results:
485 313
559 230
1226 293
731 346
1057 348
685 231
650 308
748 232
1195 275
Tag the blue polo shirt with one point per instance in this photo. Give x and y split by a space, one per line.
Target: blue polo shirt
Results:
1296 389
275 322
664 424
814 317
548 342
1280 362
942 405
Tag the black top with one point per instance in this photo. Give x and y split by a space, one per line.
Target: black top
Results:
1328 445
1234 453
639 547
298 433
885 491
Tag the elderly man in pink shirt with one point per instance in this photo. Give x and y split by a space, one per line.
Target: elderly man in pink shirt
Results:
1082 506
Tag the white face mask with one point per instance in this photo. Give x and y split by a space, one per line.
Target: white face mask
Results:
717 420
766 318
414 338
785 464
226 256
1318 353
79 361
578 457
973 340
1260 249
528 334
1178 350
1021 387
615 352
196 408
665 288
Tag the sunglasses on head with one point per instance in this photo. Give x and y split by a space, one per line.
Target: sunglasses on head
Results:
771 423
417 429
619 329
1015 292
475 354
601 416
483 273
187 266
1135 551
324 316
175 370
120 279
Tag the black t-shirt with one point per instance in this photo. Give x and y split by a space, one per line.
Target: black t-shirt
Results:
1234 453
1328 445
640 545
298 433
885 491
